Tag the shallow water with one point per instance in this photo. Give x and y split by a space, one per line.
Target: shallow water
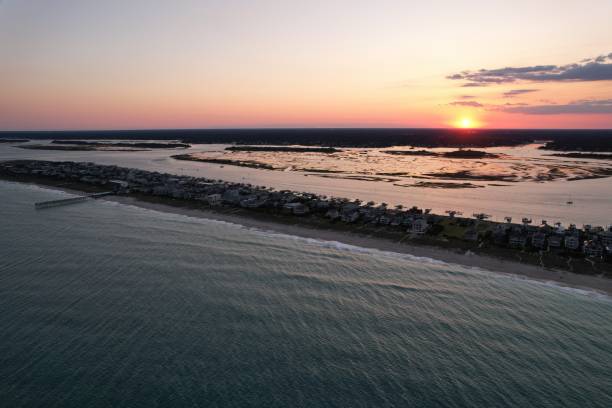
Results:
105 304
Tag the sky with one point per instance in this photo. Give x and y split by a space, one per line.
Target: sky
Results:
143 64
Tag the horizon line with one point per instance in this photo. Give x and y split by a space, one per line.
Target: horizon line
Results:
290 128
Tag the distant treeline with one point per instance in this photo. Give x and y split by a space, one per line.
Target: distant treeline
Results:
597 156
563 139
580 143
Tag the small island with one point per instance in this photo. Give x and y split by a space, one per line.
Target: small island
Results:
291 149
455 154
242 163
469 154
468 175
411 152
440 184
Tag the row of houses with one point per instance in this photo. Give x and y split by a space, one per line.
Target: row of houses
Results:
592 241
222 193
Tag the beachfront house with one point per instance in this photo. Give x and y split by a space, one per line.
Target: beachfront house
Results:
555 241
322 205
368 214
500 233
350 207
296 208
593 249
396 221
606 237
572 241
384 220
350 217
214 200
232 196
253 202
538 240
350 212
471 234
517 240
419 226
333 214
119 186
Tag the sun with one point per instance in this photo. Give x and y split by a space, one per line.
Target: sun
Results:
465 123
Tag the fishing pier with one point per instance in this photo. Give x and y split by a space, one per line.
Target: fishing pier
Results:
68 201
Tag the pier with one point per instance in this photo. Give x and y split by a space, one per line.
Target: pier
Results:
67 201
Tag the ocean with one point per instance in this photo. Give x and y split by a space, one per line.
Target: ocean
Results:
109 305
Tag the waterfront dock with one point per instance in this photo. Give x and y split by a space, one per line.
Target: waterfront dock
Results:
68 201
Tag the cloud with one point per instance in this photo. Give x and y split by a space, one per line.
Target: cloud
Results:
505 107
515 92
516 104
593 69
467 97
471 104
601 59
602 106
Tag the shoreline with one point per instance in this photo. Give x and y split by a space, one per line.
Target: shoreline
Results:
491 264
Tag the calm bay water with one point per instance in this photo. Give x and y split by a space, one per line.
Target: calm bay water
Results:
104 304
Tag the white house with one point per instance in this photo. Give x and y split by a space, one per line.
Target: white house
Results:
419 226
214 199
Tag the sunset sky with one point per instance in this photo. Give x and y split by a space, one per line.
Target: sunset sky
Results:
119 64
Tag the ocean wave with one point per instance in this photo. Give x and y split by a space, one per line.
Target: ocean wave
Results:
350 248
592 293
330 244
